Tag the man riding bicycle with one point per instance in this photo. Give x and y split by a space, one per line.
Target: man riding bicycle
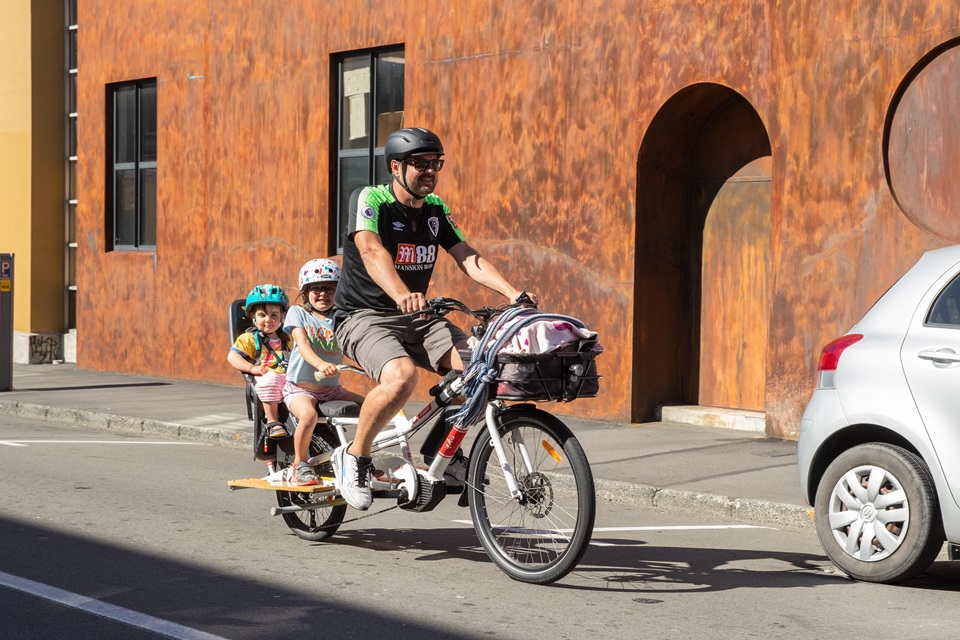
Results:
388 260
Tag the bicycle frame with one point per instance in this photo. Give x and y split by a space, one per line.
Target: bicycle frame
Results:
403 429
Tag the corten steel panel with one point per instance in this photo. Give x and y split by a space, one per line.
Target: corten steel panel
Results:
923 151
839 240
735 303
542 107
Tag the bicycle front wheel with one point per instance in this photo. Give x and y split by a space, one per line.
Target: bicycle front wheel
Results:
542 536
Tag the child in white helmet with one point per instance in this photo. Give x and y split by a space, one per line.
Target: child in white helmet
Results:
314 349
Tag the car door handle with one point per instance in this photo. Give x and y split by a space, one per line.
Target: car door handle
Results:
941 357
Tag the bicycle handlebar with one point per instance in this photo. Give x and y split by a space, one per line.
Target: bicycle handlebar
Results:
318 376
440 307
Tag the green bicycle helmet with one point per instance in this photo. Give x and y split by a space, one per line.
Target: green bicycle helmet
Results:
267 294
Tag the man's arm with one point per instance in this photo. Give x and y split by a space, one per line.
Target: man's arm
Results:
481 271
379 265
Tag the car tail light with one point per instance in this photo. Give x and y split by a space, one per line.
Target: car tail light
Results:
830 358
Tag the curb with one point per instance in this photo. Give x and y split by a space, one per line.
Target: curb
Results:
612 492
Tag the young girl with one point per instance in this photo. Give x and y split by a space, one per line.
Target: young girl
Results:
264 353
314 349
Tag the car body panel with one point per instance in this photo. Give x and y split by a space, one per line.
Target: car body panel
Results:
880 380
935 384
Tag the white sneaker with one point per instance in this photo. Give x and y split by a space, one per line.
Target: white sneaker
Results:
353 477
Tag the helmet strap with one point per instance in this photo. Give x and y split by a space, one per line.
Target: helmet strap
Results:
403 183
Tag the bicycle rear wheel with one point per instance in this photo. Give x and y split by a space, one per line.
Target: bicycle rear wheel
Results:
319 523
540 538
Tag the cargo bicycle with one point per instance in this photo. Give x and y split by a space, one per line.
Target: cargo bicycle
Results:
526 481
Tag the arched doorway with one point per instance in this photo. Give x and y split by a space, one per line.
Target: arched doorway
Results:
701 273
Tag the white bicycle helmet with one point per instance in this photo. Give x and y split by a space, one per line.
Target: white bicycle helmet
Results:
318 270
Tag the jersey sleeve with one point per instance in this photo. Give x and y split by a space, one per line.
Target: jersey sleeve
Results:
450 234
365 210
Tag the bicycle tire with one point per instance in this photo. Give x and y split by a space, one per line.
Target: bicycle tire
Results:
542 537
315 525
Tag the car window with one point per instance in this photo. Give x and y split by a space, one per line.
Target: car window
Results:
945 310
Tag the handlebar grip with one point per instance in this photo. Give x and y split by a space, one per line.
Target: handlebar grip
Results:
318 375
524 298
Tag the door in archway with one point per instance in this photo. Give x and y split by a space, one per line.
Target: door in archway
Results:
734 307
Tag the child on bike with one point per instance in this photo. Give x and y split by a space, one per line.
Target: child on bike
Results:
315 349
265 352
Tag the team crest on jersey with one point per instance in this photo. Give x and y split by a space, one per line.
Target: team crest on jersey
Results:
368 213
434 225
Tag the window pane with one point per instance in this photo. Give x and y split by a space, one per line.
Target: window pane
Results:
382 175
124 211
71 137
125 124
148 207
353 174
72 49
946 308
355 102
389 107
72 94
148 123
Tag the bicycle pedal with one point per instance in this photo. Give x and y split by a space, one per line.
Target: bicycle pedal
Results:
402 477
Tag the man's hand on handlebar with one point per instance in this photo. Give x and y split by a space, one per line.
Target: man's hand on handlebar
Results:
411 303
527 298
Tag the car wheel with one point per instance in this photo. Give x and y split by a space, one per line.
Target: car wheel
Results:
877 514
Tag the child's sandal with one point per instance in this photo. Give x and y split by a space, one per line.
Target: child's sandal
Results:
276 430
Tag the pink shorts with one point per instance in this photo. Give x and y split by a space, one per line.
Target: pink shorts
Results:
270 386
291 390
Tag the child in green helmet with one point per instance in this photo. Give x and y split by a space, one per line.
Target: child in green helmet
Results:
265 352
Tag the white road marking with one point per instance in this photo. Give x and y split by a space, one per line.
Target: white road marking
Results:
104 610
26 443
663 528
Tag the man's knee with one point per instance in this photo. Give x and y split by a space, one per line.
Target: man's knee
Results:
399 376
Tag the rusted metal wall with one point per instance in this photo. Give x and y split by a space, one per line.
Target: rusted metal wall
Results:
543 107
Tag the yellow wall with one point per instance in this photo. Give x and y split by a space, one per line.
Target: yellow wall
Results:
15 156
31 159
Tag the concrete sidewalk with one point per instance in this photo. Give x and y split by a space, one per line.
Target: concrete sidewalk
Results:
707 471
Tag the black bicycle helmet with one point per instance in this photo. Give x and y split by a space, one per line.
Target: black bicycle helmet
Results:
403 143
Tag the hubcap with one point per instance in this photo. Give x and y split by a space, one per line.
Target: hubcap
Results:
869 513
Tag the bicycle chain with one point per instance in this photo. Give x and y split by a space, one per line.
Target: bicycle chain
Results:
466 485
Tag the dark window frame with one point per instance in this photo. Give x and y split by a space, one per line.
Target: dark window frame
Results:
339 194
139 230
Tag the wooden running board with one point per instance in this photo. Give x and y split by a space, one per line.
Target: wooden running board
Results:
326 485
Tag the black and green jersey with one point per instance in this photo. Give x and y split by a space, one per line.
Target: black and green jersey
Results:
411 236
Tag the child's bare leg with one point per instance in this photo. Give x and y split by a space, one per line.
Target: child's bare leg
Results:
302 407
270 412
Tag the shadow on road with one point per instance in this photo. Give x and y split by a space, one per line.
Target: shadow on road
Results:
619 564
198 598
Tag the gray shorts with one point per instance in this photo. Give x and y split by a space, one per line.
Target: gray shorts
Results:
374 338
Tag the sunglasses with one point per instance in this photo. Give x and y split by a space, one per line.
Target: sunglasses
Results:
422 165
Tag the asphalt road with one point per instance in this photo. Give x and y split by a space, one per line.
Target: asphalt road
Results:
107 536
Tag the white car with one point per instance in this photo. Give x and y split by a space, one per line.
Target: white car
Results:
879 448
